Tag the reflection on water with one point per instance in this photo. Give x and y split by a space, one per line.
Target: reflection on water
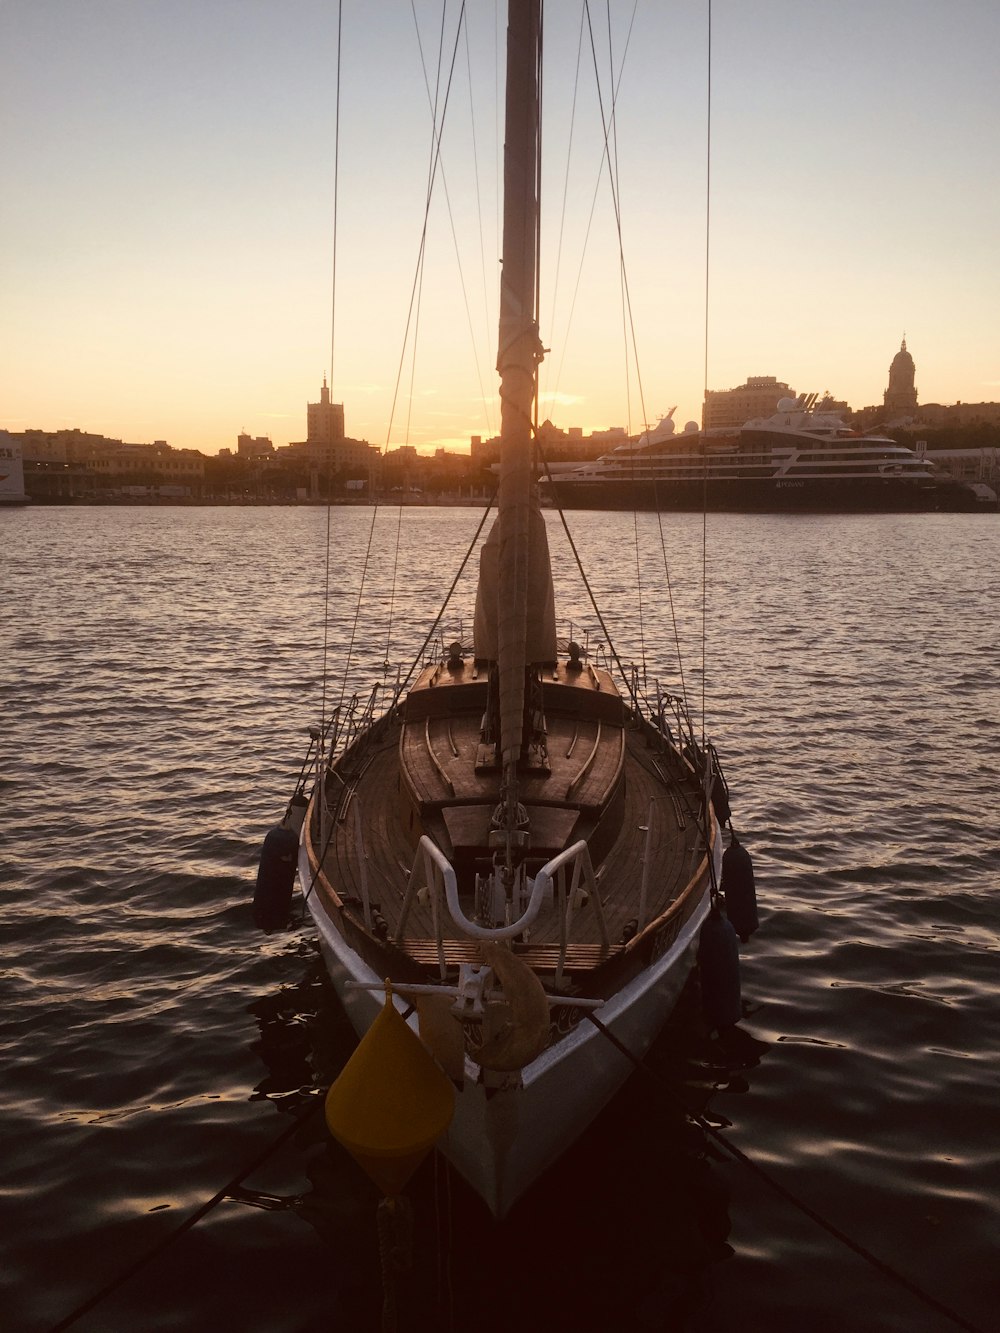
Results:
161 670
621 1233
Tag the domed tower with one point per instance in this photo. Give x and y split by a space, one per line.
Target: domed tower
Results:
901 395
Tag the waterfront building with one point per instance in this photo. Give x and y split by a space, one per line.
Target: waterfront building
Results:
970 464
78 465
12 490
131 468
759 397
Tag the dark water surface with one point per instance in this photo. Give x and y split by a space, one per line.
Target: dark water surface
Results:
160 668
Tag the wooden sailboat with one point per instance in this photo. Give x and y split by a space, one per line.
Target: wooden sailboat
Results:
518 842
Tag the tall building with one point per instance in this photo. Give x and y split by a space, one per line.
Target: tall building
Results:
759 397
327 449
901 396
324 420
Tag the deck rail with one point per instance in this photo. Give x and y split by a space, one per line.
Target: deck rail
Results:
562 881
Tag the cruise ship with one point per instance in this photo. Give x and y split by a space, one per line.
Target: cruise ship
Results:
799 459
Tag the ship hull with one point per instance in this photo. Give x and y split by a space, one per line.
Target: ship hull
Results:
767 496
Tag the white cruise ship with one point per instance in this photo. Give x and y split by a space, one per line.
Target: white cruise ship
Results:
796 460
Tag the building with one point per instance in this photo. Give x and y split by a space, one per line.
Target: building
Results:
324 420
973 464
12 490
131 467
326 451
64 446
959 414
249 448
560 447
900 398
759 397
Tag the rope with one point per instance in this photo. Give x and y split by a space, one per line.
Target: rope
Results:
111 1287
395 1247
830 1228
443 1230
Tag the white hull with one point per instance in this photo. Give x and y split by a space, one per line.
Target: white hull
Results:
500 1144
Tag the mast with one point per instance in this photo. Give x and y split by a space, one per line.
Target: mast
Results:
525 622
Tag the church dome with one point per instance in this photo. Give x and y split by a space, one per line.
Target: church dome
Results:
901 395
902 359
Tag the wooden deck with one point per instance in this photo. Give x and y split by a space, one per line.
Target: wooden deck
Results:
421 774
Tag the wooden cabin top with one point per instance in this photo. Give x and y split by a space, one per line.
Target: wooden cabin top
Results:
452 779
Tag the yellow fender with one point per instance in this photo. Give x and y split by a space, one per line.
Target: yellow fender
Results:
390 1102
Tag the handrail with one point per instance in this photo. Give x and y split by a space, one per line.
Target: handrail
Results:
429 852
579 854
468 927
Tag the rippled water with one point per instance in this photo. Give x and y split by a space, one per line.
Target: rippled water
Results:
160 668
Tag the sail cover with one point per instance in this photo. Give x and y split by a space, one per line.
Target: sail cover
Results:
540 625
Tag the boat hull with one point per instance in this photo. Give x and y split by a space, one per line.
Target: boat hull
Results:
766 496
503 1139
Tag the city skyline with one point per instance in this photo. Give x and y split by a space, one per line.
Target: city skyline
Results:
167 242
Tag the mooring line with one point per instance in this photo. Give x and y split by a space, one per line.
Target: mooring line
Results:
880 1265
111 1287
739 1155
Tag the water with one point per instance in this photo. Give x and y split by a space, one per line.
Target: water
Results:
160 668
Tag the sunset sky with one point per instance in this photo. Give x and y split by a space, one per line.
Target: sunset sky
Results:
167 211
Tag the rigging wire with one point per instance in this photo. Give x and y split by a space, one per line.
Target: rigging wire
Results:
539 125
628 386
336 187
670 600
482 232
613 169
436 165
431 170
431 166
565 196
610 156
414 301
333 328
487 509
616 85
586 583
704 441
